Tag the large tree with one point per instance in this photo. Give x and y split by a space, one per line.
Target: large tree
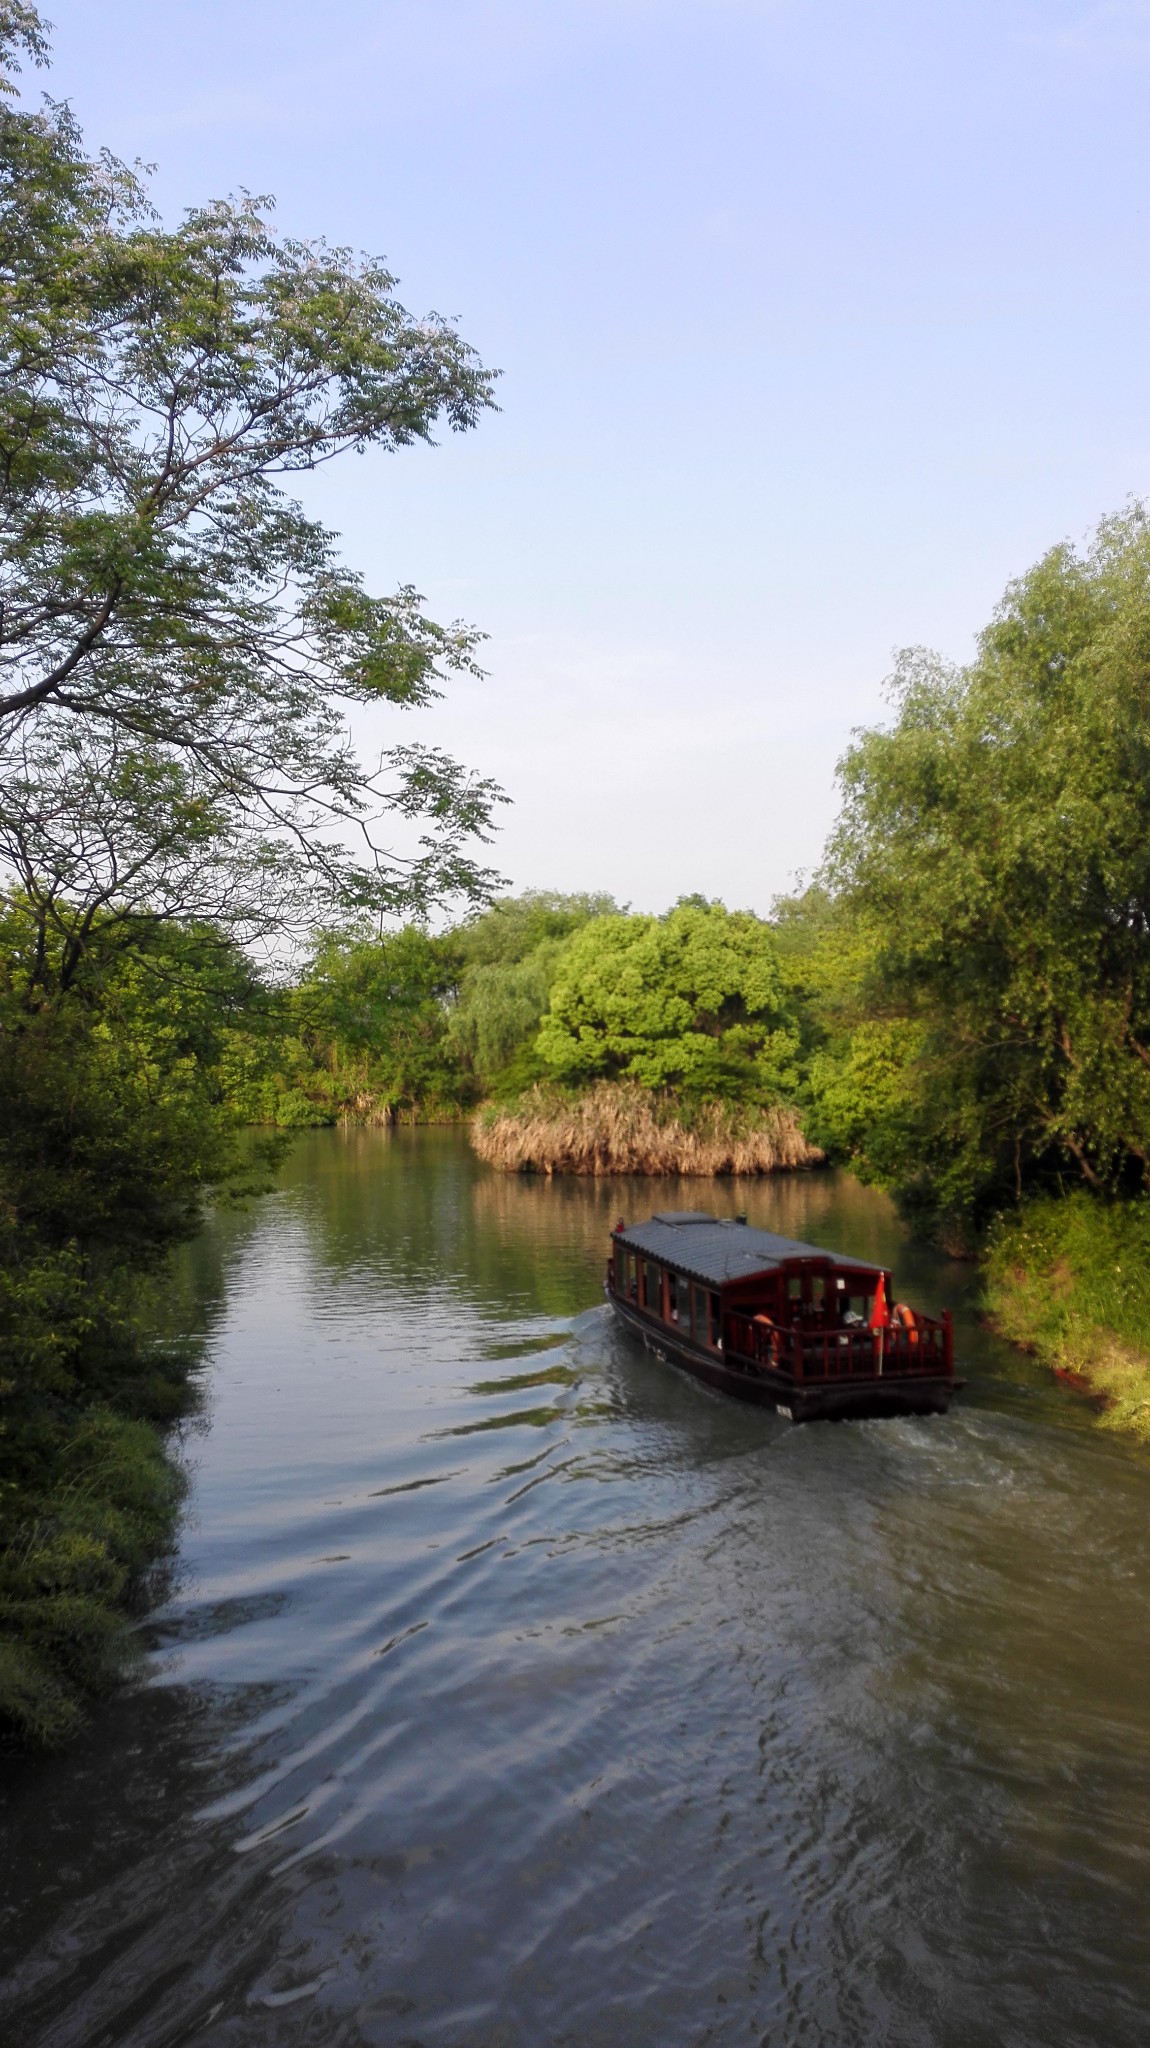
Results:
173 626
994 849
695 1000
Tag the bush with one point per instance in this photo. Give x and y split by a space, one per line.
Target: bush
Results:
1070 1280
112 1129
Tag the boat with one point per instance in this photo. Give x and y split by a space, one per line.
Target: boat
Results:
811 1332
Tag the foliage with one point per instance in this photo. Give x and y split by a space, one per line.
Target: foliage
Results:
536 989
513 927
994 854
1070 1279
179 641
411 1024
695 1000
180 647
104 1506
512 953
372 1017
500 1007
112 1128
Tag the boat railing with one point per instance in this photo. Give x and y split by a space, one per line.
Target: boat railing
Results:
806 1357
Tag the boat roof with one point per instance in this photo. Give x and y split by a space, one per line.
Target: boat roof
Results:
717 1249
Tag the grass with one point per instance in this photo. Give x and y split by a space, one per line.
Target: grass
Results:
1070 1281
618 1127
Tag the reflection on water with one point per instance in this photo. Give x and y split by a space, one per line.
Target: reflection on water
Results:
512 1689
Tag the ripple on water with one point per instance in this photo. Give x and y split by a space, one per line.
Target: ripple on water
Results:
517 1690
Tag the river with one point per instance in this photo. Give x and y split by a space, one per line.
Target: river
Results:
511 1690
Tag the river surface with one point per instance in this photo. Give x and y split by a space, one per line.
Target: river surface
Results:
510 1689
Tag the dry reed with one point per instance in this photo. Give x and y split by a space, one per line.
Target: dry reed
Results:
618 1127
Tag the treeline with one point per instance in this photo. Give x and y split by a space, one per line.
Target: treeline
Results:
541 991
959 1004
977 954
410 1026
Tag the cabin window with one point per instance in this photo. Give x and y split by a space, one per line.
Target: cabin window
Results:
679 1299
702 1316
622 1270
707 1321
652 1287
794 1286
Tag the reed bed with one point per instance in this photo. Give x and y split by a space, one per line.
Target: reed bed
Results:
618 1127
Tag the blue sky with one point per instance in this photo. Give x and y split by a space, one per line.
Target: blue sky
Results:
818 322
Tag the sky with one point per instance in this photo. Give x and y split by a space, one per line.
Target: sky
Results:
818 321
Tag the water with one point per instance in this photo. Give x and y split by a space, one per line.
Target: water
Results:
512 1689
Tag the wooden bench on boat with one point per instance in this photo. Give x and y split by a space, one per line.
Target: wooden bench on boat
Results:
808 1331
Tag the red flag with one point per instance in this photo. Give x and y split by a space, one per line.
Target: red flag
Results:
880 1313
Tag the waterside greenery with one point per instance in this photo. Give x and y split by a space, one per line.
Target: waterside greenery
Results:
180 645
1069 1280
979 949
113 1128
563 993
411 1026
976 958
622 1127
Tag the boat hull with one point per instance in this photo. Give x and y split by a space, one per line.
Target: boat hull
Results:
827 1400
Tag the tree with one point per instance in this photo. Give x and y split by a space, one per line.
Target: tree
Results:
373 1015
179 650
695 1000
168 614
995 845
512 952
414 1023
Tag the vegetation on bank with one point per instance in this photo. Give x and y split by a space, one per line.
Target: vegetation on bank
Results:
600 1042
621 1127
976 957
1069 1280
412 1026
179 647
978 950
113 1127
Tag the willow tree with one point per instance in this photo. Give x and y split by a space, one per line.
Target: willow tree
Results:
994 846
175 630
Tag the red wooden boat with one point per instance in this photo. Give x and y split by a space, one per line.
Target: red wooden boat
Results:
807 1331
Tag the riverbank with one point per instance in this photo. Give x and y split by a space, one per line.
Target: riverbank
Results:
1069 1280
97 1506
617 1128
